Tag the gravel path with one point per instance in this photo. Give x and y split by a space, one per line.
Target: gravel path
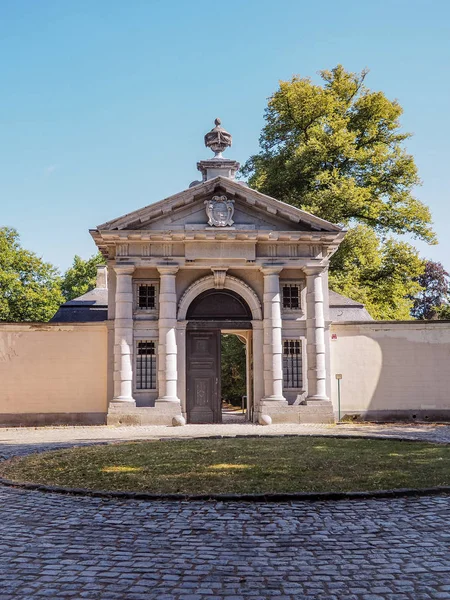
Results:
57 546
51 435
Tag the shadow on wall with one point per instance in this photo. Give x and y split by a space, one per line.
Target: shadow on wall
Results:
392 370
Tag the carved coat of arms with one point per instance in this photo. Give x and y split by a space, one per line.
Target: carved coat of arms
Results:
220 211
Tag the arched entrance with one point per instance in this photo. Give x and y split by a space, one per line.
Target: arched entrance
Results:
209 314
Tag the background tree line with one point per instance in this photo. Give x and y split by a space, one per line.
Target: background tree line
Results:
335 150
32 289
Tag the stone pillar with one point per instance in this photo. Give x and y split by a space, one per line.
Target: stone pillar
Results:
167 349
258 365
123 335
102 277
181 364
273 347
315 335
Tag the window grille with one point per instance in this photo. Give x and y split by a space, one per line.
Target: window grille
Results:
291 296
292 364
145 366
146 296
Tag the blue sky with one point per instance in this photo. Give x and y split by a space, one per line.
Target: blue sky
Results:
104 103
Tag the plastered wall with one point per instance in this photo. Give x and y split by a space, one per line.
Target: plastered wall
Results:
53 373
392 369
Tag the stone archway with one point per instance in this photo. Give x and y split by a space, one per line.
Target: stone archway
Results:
231 283
223 306
209 310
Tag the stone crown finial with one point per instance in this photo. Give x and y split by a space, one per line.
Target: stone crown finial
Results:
218 139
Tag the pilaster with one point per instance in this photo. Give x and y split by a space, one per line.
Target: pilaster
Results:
258 363
181 364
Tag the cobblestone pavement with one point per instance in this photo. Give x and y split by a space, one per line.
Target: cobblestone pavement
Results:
70 547
57 546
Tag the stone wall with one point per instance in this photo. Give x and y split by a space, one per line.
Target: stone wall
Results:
57 374
392 370
53 374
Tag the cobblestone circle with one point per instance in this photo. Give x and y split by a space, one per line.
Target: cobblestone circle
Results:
58 546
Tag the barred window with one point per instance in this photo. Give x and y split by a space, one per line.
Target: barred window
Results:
146 296
292 364
145 365
291 296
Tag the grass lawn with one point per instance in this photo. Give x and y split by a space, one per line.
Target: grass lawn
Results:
300 464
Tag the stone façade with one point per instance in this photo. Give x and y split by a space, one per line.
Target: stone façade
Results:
252 245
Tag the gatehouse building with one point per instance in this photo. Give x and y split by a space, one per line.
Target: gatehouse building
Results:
218 257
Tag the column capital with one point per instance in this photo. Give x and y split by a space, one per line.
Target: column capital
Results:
271 270
314 269
168 269
124 269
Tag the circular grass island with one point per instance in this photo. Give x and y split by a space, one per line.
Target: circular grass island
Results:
269 465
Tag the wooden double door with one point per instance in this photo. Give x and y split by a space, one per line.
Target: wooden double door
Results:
203 368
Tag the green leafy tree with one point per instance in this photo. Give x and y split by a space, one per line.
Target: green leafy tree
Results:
29 287
443 312
233 369
337 150
432 302
383 276
81 276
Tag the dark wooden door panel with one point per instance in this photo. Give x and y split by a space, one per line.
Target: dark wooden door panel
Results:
203 377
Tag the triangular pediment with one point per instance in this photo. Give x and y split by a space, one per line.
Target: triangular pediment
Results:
252 210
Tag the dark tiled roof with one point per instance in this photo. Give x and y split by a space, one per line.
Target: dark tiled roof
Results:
346 309
88 308
85 314
338 300
97 297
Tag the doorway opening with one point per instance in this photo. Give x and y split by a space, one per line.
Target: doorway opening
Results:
233 365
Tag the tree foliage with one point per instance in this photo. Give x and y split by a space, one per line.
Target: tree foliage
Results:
29 287
383 276
233 369
444 312
337 150
432 302
81 276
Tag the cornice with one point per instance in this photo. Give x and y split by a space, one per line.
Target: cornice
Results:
213 234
